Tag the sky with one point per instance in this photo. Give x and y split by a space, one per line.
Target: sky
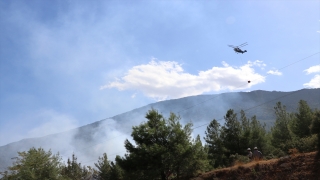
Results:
65 64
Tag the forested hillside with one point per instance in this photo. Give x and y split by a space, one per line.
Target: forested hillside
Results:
164 149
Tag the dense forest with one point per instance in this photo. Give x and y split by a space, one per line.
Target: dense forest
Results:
164 149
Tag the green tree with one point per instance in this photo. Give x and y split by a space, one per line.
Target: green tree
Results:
315 126
229 143
302 120
116 172
232 132
195 161
75 171
108 170
162 147
104 169
245 135
258 134
216 149
281 134
35 164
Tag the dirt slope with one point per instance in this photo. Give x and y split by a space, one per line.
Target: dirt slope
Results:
305 166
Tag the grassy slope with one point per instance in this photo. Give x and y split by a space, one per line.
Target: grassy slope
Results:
300 166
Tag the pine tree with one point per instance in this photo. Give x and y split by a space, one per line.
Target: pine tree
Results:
302 120
74 170
258 134
216 149
198 158
116 172
245 135
163 147
315 126
232 131
280 131
35 164
104 169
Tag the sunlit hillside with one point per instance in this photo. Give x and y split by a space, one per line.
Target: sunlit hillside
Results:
295 166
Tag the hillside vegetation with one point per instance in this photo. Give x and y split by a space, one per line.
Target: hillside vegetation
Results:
295 166
199 109
164 149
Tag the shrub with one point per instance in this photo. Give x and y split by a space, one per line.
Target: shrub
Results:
238 159
306 144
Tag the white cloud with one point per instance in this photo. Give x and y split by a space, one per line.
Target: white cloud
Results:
275 72
313 69
258 63
314 82
167 79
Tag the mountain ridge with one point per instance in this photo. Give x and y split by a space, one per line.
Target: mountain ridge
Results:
199 110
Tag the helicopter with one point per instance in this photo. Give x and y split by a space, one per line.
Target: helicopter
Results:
237 48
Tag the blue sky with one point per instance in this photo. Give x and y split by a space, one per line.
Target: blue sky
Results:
65 64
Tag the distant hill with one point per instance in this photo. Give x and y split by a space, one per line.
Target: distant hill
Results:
92 140
204 108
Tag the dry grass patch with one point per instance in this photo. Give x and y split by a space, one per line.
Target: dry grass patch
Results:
293 152
295 166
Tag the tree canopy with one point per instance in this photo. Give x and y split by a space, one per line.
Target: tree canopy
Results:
35 164
163 148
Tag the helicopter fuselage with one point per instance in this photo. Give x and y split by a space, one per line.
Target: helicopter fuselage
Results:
238 50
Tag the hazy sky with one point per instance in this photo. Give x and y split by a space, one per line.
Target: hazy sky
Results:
65 64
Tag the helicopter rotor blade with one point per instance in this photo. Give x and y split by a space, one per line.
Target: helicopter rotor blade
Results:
232 46
244 44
